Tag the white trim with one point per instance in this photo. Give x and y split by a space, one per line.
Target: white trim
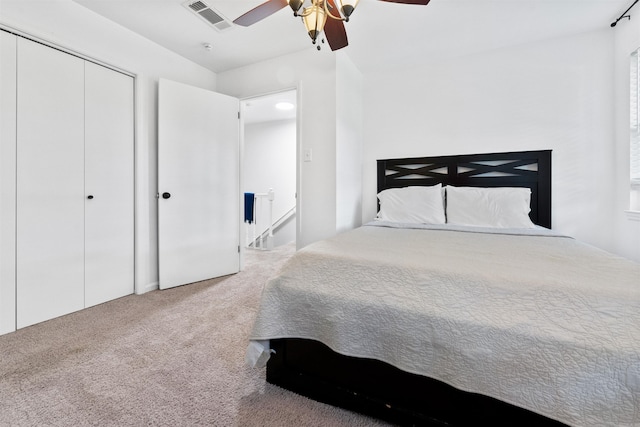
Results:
153 286
634 119
633 215
29 36
142 251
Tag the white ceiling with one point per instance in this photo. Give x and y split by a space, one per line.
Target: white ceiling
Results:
263 108
381 34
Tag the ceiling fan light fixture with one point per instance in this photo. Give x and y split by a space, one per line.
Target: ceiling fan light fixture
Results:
347 7
295 5
314 18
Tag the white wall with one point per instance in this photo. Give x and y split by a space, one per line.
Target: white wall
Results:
627 232
313 74
270 162
75 28
349 130
330 115
555 94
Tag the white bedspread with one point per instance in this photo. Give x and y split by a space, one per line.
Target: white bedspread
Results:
545 323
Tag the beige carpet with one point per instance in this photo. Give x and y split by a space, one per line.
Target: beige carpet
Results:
165 358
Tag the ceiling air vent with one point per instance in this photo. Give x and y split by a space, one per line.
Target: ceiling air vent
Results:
204 11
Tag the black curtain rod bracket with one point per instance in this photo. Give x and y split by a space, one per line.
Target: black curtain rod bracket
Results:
624 15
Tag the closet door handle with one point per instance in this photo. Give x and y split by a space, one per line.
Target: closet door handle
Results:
90 197
166 195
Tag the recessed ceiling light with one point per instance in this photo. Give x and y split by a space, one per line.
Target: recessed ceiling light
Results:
284 106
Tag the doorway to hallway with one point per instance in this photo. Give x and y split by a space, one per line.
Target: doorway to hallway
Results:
269 164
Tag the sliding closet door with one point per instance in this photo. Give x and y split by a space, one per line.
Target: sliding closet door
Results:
7 182
50 183
108 184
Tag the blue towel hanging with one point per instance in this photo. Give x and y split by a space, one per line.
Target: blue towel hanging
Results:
249 201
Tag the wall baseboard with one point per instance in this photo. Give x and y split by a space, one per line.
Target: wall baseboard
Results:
147 288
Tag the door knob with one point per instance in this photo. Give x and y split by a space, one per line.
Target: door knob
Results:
90 197
166 195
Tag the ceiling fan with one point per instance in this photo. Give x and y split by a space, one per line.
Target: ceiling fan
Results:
315 16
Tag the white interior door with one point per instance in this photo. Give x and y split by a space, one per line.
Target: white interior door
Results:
198 184
109 270
50 183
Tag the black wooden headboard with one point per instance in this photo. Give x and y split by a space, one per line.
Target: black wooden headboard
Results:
530 169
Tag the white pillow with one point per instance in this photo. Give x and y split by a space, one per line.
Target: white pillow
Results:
501 207
422 205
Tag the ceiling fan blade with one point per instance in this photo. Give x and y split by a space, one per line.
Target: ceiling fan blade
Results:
334 31
420 2
258 13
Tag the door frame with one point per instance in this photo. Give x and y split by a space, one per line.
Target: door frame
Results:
243 102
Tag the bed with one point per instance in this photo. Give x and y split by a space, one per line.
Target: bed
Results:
456 324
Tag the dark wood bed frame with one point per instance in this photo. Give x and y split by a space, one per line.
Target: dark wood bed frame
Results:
531 169
380 390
